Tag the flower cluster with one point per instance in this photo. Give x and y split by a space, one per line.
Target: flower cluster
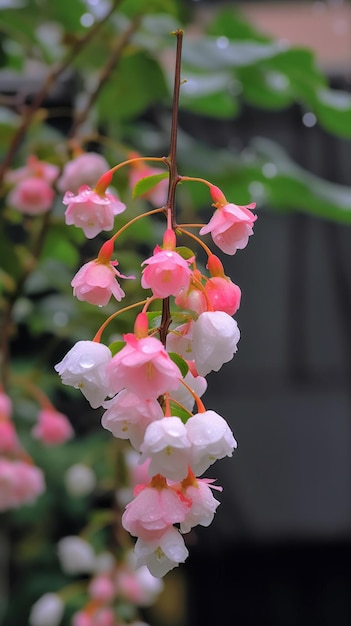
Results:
150 384
21 482
110 583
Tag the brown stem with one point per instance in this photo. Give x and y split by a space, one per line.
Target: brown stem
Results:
57 70
174 178
104 75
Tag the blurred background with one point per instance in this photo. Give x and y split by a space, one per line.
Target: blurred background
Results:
266 115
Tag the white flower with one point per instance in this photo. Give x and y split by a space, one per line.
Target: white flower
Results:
215 338
76 555
163 554
167 445
149 586
203 506
84 368
211 439
197 383
80 480
47 611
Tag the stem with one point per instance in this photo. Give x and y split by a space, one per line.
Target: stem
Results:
174 178
135 219
57 70
97 337
197 239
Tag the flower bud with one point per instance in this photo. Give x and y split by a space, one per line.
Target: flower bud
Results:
76 555
80 480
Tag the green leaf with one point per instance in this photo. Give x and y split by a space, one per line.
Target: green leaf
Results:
146 184
178 411
228 23
154 318
178 360
116 346
205 53
185 253
137 83
333 110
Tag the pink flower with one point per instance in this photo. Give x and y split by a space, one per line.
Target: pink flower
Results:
102 588
32 196
8 437
52 428
167 273
223 295
5 405
231 226
84 169
20 483
161 554
33 169
154 510
128 416
96 282
143 367
91 211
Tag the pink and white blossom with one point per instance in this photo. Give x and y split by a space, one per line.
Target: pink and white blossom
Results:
161 554
214 341
31 196
9 442
20 483
210 438
84 368
96 282
203 505
182 395
153 511
128 416
166 274
180 339
5 405
231 226
52 428
91 211
34 168
79 479
143 367
167 445
84 169
76 555
102 588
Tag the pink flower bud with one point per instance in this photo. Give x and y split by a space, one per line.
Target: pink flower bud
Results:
20 483
217 195
8 437
223 295
102 588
